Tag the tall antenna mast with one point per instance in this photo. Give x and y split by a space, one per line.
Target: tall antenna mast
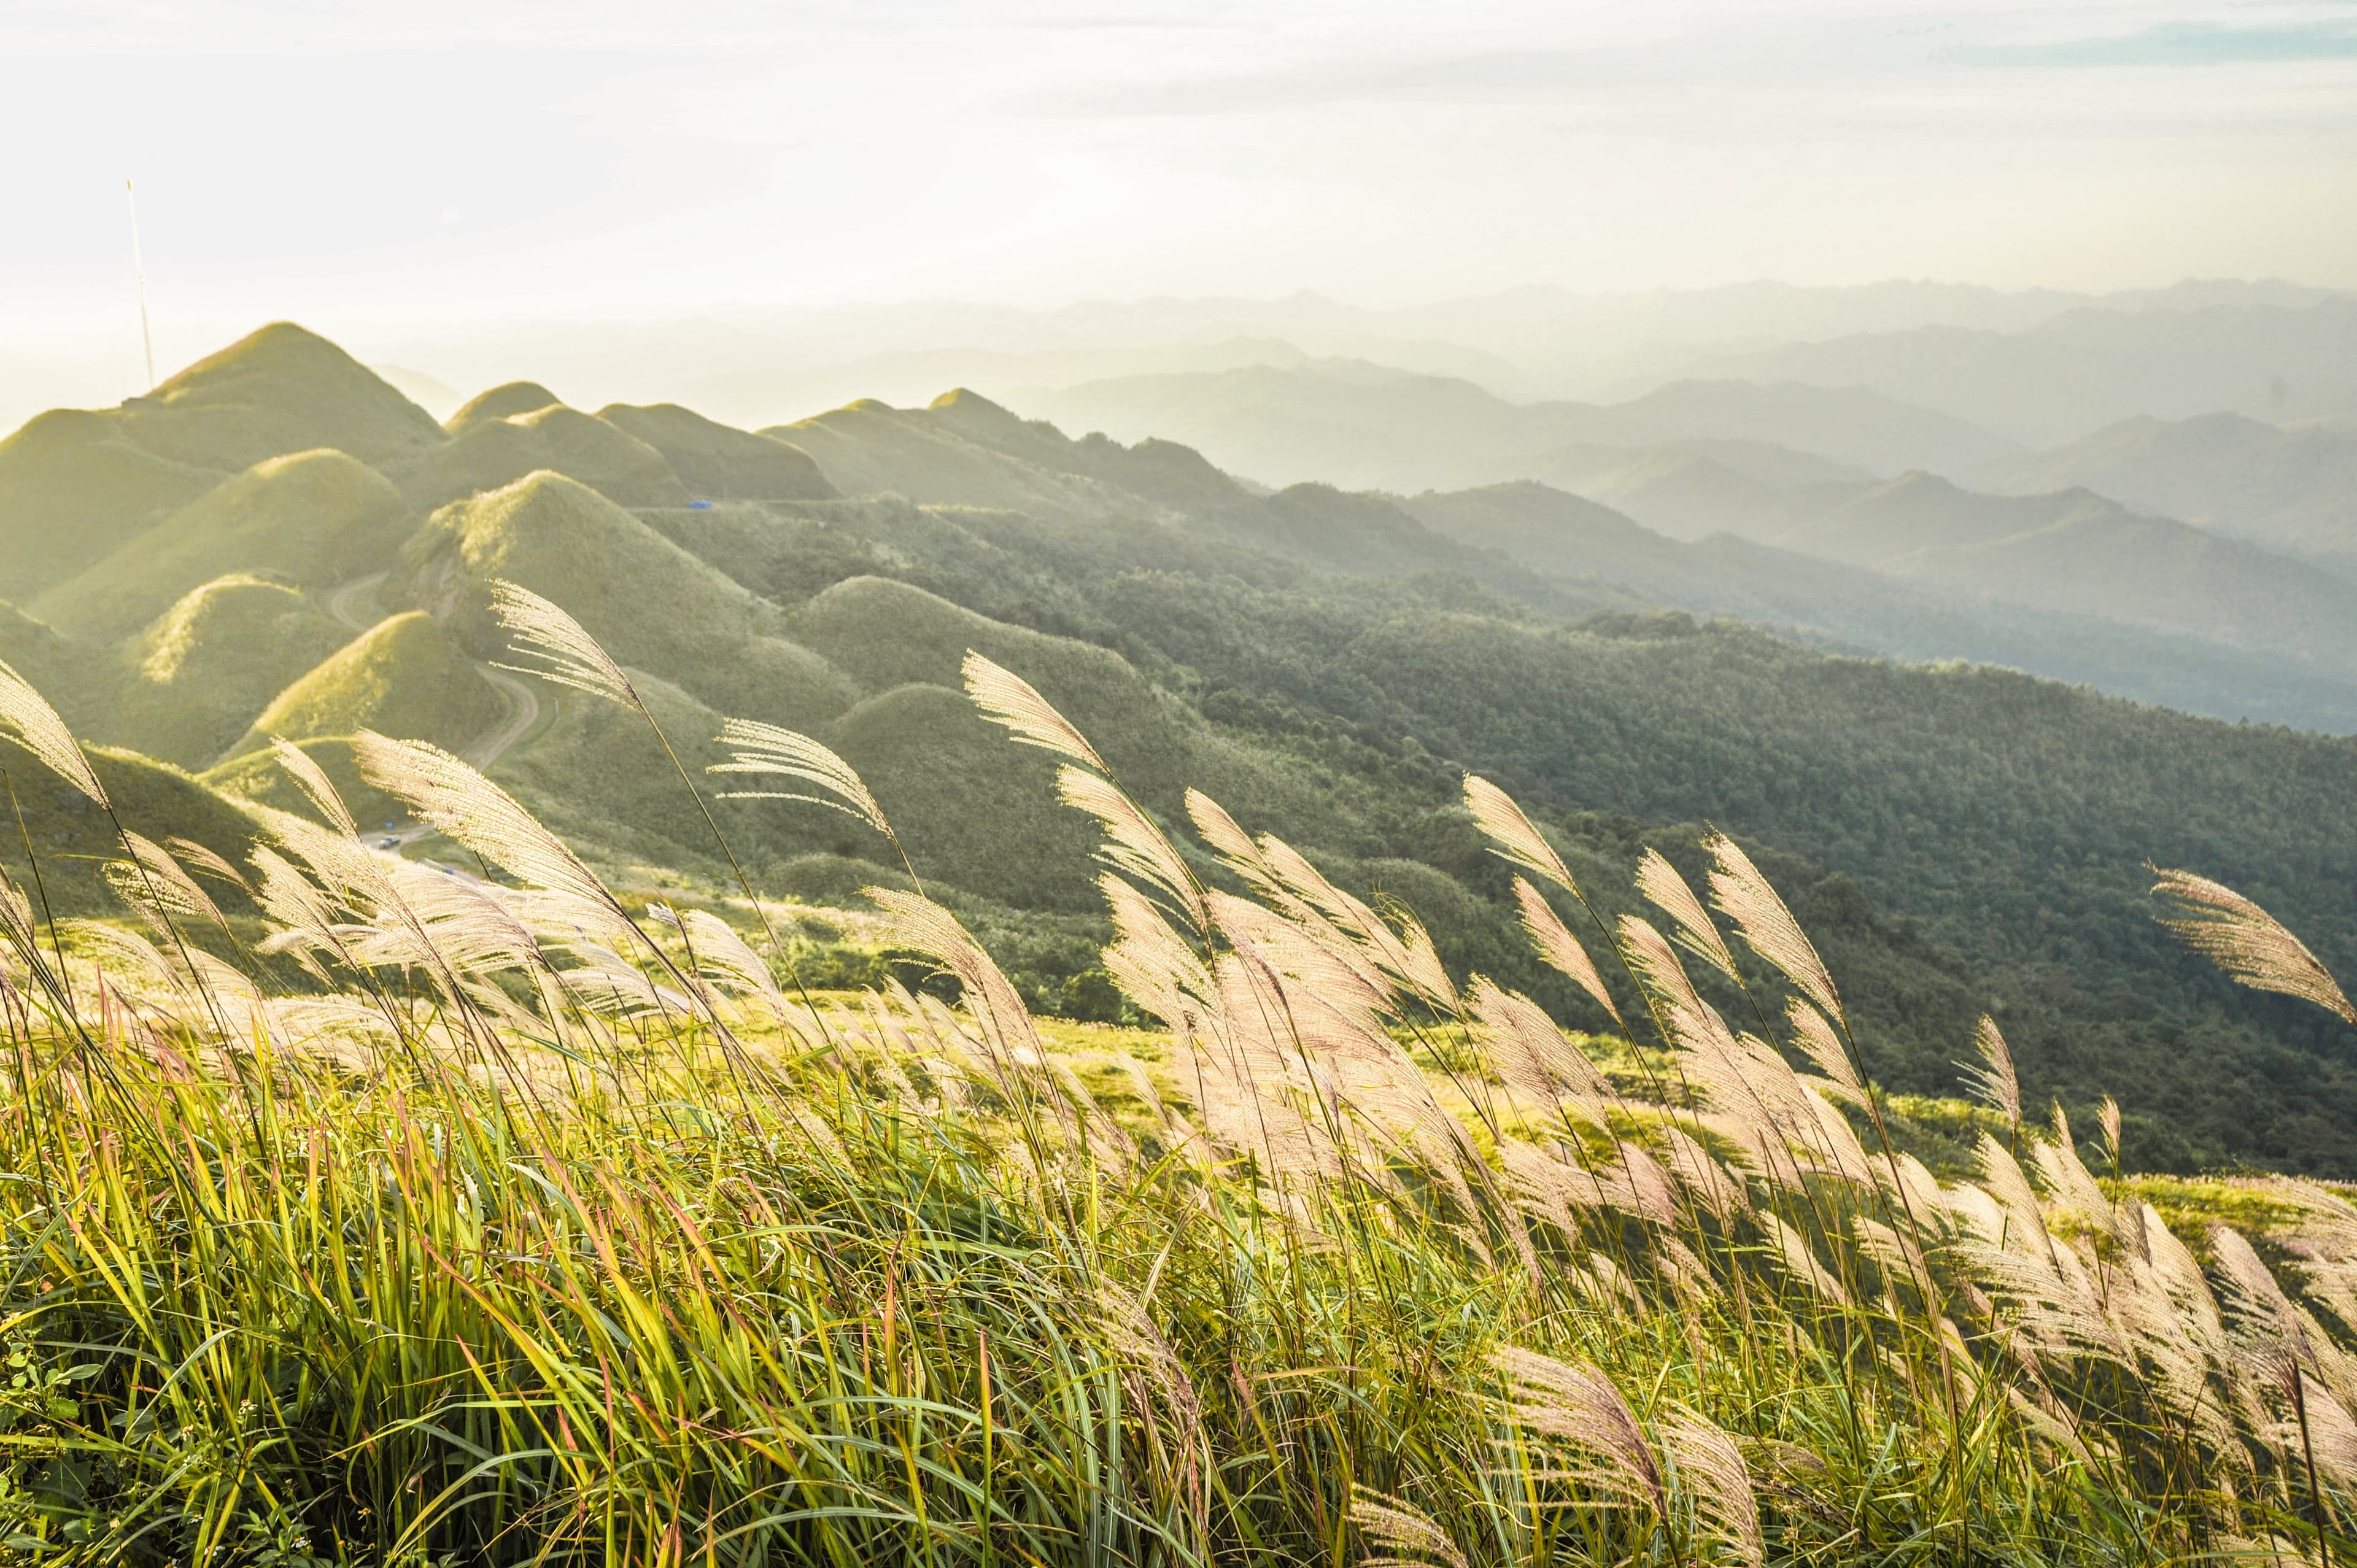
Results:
147 337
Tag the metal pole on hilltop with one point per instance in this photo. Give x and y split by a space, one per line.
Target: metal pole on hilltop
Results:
147 337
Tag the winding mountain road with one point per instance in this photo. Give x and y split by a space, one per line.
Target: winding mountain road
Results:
353 603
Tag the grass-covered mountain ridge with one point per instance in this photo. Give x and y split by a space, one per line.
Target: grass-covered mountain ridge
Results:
277 543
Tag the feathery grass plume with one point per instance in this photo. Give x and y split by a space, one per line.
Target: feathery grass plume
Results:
1994 1083
1133 843
2256 1300
1220 830
1712 1467
919 923
1659 881
1560 949
157 887
1801 1259
1154 966
1390 1524
2107 1116
191 853
313 781
1518 842
454 798
561 649
726 956
1009 700
1702 1176
1744 897
2072 1186
1530 1054
2251 945
1574 1401
26 718
757 748
1824 1048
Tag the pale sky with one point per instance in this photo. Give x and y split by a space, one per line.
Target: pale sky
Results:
440 161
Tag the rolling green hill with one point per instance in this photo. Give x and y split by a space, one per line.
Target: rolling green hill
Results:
502 401
403 677
194 679
317 518
277 391
72 488
489 453
717 463
654 606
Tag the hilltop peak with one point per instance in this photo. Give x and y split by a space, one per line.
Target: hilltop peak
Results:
502 401
281 389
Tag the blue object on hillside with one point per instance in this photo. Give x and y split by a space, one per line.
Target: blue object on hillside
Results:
699 506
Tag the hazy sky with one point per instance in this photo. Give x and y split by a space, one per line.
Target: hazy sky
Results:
446 159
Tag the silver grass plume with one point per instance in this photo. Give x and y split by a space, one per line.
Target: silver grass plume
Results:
1659 881
1824 1048
26 718
1519 843
2251 945
1744 897
313 781
1994 1082
1392 1525
1133 843
454 798
1801 1259
1560 949
2107 1116
1573 1401
152 883
1714 1475
191 853
1008 700
561 648
1529 1053
757 748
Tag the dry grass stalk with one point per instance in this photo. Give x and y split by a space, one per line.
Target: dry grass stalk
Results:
26 718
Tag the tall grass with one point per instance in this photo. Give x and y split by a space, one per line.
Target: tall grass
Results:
455 1223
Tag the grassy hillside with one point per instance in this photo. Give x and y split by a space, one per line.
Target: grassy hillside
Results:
277 391
488 454
502 401
658 607
718 463
73 487
867 448
401 677
190 685
74 839
317 518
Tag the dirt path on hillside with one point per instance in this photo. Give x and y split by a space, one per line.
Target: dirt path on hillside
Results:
353 604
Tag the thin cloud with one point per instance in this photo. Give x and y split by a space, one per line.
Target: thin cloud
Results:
2178 44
